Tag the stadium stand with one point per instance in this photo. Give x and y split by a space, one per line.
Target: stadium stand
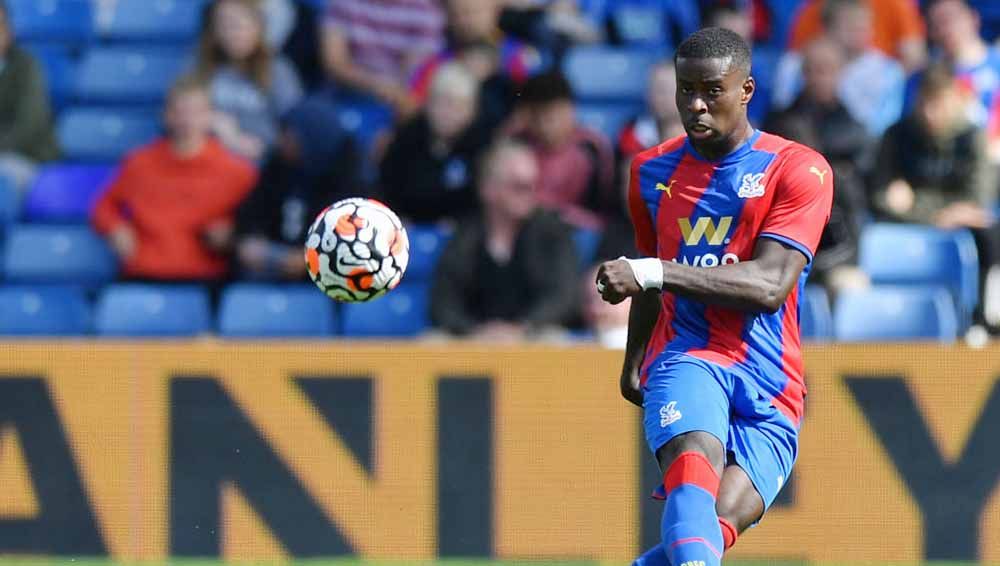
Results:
275 311
400 314
65 192
69 21
134 310
896 313
40 254
44 310
426 244
607 118
104 134
641 25
165 20
127 75
586 242
8 205
59 65
599 73
815 317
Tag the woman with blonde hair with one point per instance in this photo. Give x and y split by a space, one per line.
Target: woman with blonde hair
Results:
251 87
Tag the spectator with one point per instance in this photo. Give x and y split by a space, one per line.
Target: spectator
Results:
471 22
372 46
428 171
871 84
501 276
661 121
26 134
818 119
933 167
250 87
497 91
554 25
897 29
607 323
577 164
168 213
314 165
954 27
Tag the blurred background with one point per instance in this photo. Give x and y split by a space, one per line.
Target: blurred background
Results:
175 385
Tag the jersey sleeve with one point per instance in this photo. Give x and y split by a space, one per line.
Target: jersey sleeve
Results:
642 221
802 203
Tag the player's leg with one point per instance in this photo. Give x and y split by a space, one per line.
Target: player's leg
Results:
738 505
686 419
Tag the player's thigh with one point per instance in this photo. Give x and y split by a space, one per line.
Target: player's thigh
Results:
686 407
762 442
738 501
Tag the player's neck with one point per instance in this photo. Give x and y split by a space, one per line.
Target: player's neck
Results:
720 149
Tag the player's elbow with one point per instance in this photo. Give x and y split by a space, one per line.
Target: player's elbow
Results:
770 299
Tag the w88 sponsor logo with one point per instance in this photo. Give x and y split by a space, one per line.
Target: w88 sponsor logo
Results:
709 260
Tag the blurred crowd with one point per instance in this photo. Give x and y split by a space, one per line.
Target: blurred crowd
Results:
486 141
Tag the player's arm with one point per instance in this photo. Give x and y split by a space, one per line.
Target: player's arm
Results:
642 315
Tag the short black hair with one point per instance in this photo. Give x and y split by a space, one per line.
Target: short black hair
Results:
716 43
550 86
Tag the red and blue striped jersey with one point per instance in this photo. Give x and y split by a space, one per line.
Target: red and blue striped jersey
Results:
705 213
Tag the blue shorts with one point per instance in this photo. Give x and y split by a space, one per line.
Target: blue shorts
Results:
684 394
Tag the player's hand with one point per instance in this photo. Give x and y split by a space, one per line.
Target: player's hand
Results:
630 388
123 241
616 281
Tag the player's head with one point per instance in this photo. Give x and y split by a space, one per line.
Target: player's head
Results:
548 100
188 112
508 180
451 102
822 61
952 25
714 85
849 23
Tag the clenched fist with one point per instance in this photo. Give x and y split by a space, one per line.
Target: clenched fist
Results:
616 281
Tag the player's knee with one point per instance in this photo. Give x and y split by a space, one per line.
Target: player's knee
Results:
696 441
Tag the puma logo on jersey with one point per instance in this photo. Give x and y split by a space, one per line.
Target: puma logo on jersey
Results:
705 227
752 186
666 188
818 173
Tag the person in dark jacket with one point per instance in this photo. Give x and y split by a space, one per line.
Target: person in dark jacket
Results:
27 136
507 273
314 165
819 120
428 171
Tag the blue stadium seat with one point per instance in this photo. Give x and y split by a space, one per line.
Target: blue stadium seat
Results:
426 244
607 118
904 254
364 121
607 73
52 20
158 20
44 310
403 312
104 134
640 24
890 313
586 242
249 310
124 75
131 309
65 192
35 253
9 204
815 317
59 66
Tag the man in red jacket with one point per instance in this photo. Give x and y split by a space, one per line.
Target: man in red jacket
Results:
169 212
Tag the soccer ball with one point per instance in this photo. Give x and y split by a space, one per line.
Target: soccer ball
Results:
357 250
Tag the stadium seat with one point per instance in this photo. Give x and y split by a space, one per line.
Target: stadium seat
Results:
59 66
123 75
104 135
891 313
131 309
65 192
586 242
34 253
426 244
403 312
9 205
607 118
52 20
159 20
271 311
904 254
43 310
815 318
608 74
640 24
364 121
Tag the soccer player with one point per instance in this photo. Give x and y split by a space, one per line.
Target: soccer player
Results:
728 219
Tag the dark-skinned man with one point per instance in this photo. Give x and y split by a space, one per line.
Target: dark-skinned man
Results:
727 219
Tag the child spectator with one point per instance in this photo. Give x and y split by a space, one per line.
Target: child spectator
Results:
168 213
250 87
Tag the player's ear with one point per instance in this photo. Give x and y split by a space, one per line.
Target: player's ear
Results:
749 87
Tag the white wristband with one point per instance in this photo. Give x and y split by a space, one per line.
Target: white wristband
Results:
648 272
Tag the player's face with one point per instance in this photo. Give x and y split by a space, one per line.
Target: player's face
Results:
712 98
